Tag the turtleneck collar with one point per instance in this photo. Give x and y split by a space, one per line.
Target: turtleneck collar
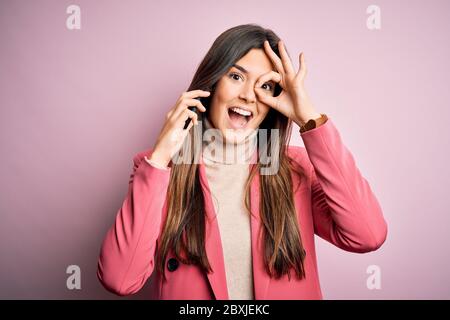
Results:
216 150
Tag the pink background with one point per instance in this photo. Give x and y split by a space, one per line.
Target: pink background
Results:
76 105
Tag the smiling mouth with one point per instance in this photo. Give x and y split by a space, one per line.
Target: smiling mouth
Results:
239 117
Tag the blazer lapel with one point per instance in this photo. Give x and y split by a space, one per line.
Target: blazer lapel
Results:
260 277
213 243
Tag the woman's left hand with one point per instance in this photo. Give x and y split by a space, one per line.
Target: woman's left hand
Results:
293 101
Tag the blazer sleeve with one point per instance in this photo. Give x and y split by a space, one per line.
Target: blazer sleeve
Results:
345 211
127 254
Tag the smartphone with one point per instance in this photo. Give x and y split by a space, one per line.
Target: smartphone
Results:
203 101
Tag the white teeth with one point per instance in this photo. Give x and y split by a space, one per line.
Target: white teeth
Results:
241 111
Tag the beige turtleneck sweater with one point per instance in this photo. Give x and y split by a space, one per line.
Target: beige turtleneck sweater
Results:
226 177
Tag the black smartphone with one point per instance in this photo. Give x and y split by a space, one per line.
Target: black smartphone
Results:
203 101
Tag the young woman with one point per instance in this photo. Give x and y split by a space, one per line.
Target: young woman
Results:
214 227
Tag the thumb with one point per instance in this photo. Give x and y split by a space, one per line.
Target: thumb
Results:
266 98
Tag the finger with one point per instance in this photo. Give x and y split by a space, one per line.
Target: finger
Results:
273 56
266 98
269 76
285 60
195 93
195 103
191 104
187 114
186 103
302 68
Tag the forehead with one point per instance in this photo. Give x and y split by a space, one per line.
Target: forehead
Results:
256 62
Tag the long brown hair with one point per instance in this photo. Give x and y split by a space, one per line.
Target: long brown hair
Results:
184 228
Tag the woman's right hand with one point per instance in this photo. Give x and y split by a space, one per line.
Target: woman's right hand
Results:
172 135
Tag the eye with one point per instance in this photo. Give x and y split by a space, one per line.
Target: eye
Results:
269 86
233 75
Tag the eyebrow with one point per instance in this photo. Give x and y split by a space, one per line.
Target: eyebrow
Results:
246 71
240 68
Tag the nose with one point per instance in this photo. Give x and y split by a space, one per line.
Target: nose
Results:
248 93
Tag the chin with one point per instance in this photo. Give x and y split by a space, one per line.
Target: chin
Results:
237 135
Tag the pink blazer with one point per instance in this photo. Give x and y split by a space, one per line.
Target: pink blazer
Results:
336 204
